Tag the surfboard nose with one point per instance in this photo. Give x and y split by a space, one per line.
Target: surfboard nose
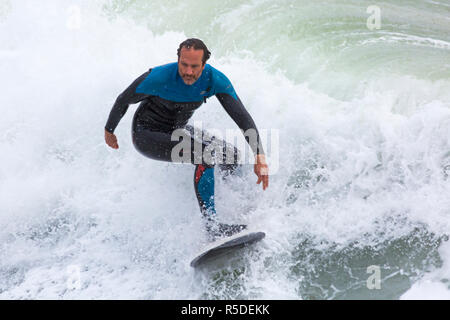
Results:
227 246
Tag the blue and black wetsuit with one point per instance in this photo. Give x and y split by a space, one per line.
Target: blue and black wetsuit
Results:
166 104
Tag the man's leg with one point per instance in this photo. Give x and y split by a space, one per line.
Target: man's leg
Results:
227 160
204 189
159 146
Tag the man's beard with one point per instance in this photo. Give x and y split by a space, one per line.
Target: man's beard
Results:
189 78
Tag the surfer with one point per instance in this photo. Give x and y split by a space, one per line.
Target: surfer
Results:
168 96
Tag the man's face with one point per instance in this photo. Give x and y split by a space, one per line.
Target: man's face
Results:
190 65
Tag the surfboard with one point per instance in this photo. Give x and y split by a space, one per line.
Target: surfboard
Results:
225 246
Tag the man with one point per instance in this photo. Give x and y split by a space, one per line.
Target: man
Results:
169 95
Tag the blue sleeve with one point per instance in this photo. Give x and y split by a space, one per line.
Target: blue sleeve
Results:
225 93
236 110
120 107
221 84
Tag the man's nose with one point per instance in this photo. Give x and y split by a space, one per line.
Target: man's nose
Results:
189 70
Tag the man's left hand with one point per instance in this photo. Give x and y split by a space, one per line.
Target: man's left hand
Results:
262 170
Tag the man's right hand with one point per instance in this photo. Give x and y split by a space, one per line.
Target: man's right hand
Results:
111 140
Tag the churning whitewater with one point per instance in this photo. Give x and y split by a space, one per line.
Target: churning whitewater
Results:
356 93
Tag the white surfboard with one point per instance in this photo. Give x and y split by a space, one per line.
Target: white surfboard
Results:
226 245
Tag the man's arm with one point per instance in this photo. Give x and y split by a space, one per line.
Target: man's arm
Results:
242 118
120 107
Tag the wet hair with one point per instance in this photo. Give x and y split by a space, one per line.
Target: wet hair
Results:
196 44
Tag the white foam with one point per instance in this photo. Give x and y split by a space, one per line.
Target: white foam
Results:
427 290
68 200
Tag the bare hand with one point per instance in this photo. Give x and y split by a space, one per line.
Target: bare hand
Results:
262 170
111 140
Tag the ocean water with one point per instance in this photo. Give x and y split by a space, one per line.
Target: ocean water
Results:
358 204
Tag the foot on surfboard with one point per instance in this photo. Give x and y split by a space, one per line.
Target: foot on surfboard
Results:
218 230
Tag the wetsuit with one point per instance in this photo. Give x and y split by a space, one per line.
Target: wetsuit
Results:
167 104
